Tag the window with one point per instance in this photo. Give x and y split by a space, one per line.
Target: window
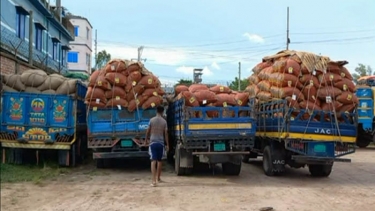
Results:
38 38
54 51
87 33
73 57
76 30
20 21
87 59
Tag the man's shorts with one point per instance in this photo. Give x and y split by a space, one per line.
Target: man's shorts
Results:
156 151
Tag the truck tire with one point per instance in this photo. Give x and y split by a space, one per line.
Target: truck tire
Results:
245 158
269 156
362 142
320 170
231 169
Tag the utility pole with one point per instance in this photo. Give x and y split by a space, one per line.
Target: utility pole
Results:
239 76
139 58
96 48
287 29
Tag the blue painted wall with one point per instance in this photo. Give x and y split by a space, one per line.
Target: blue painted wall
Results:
9 26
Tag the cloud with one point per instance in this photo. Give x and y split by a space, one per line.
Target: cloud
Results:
254 37
189 70
215 66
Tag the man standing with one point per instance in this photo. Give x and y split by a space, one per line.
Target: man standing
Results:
157 132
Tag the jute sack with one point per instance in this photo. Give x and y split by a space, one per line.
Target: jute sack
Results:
33 78
14 82
68 87
32 90
52 81
6 88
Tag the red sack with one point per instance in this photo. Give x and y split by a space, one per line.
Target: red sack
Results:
282 92
197 87
153 92
180 88
189 97
205 97
329 79
224 100
307 79
345 73
345 85
305 104
284 80
133 80
242 98
94 77
115 65
95 104
152 102
116 79
259 67
117 101
116 92
149 81
333 92
95 94
347 98
220 89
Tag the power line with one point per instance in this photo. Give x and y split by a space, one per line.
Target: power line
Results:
335 40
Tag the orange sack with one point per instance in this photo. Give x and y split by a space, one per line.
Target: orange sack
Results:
180 88
117 101
116 92
197 87
224 100
116 79
205 97
220 89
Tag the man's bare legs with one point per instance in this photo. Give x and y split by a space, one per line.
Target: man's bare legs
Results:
153 171
159 170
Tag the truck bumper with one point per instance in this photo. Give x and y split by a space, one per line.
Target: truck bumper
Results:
318 160
105 155
36 146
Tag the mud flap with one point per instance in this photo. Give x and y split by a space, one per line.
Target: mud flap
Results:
278 160
186 159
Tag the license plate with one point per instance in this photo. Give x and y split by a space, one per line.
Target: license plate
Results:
126 143
319 148
219 147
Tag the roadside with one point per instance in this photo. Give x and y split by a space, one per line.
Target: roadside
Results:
126 187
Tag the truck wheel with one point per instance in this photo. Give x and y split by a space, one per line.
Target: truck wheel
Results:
267 162
320 170
72 161
245 158
362 142
231 169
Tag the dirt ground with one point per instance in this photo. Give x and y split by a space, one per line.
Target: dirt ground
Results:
351 186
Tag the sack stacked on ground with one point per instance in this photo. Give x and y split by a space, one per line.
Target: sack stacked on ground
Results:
37 81
124 84
329 88
216 96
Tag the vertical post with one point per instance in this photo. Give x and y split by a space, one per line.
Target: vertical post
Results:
287 29
239 76
31 37
96 50
140 49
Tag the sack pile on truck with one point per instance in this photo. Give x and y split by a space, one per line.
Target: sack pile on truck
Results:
305 80
124 84
37 81
197 95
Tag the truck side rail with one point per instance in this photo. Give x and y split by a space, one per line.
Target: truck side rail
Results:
277 120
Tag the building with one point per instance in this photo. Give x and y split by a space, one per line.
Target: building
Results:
79 57
36 33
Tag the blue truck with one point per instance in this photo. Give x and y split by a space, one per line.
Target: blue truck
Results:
31 121
115 134
196 136
366 113
299 141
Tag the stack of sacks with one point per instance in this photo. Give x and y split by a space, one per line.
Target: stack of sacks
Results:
305 80
216 96
37 81
124 84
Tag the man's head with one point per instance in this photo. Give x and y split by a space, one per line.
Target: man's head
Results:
160 110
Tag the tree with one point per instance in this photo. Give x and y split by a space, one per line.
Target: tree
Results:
361 71
102 59
186 82
234 84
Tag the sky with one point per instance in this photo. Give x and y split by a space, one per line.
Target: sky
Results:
216 35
